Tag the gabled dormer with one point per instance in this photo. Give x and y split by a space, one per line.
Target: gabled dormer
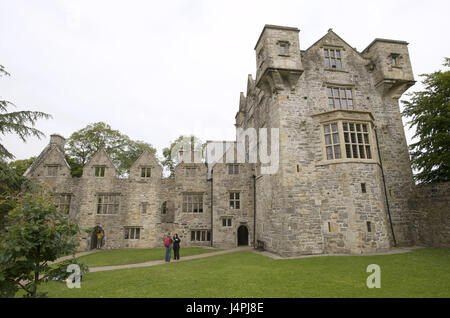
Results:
332 53
100 166
146 167
190 164
51 162
190 171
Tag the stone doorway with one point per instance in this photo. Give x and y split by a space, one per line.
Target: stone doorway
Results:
242 236
95 243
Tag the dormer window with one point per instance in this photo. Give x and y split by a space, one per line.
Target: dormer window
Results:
99 171
333 59
146 172
52 170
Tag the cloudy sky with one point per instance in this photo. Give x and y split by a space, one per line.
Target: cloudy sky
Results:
158 69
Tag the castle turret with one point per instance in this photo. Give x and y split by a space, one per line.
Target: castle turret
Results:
240 115
278 58
391 66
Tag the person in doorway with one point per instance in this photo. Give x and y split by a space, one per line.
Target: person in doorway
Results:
176 247
168 243
99 239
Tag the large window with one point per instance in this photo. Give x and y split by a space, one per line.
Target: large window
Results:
108 203
332 146
349 138
356 137
193 202
63 202
333 59
200 235
132 233
340 98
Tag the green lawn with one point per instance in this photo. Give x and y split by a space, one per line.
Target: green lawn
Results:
133 256
419 273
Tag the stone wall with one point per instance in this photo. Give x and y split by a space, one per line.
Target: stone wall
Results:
430 209
224 183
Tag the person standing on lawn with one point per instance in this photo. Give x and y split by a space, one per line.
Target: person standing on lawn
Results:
99 240
176 247
168 243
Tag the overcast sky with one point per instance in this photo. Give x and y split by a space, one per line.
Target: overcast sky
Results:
158 69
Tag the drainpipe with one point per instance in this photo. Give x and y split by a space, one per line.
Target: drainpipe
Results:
212 208
254 211
385 191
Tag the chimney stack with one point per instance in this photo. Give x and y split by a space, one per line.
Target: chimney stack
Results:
58 140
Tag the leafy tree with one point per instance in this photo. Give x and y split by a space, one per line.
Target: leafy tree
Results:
134 150
20 166
76 167
429 111
182 143
37 234
19 122
83 144
11 183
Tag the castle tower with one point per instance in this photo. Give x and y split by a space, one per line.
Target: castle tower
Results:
278 61
390 65
328 101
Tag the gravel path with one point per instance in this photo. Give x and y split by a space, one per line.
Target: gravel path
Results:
182 259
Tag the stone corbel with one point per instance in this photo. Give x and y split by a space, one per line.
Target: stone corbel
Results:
393 88
292 79
275 80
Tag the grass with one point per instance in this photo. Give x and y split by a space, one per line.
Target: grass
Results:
134 256
419 273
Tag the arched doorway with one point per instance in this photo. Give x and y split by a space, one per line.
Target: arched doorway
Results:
242 236
94 238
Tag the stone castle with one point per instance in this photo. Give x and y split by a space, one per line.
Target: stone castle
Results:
344 176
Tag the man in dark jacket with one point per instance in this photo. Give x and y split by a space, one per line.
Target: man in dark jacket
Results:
176 247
